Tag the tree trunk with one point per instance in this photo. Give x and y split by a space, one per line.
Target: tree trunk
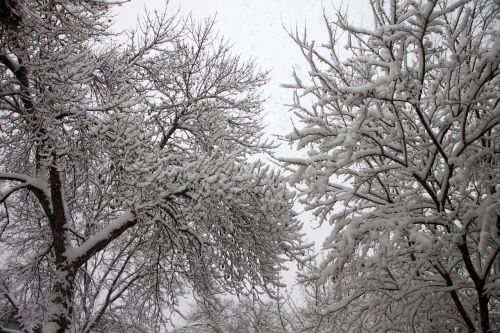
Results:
479 283
60 308
483 310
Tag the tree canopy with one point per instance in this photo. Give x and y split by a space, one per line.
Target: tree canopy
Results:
400 131
126 169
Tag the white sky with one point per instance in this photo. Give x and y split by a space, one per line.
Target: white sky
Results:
256 29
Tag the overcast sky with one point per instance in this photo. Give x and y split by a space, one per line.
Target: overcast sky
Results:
257 30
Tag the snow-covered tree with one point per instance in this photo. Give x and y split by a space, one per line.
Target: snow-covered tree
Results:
239 316
125 171
402 133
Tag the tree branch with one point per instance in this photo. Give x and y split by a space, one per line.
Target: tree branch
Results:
100 240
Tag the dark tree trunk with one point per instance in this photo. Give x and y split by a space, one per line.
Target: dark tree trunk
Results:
60 309
61 304
483 310
479 283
